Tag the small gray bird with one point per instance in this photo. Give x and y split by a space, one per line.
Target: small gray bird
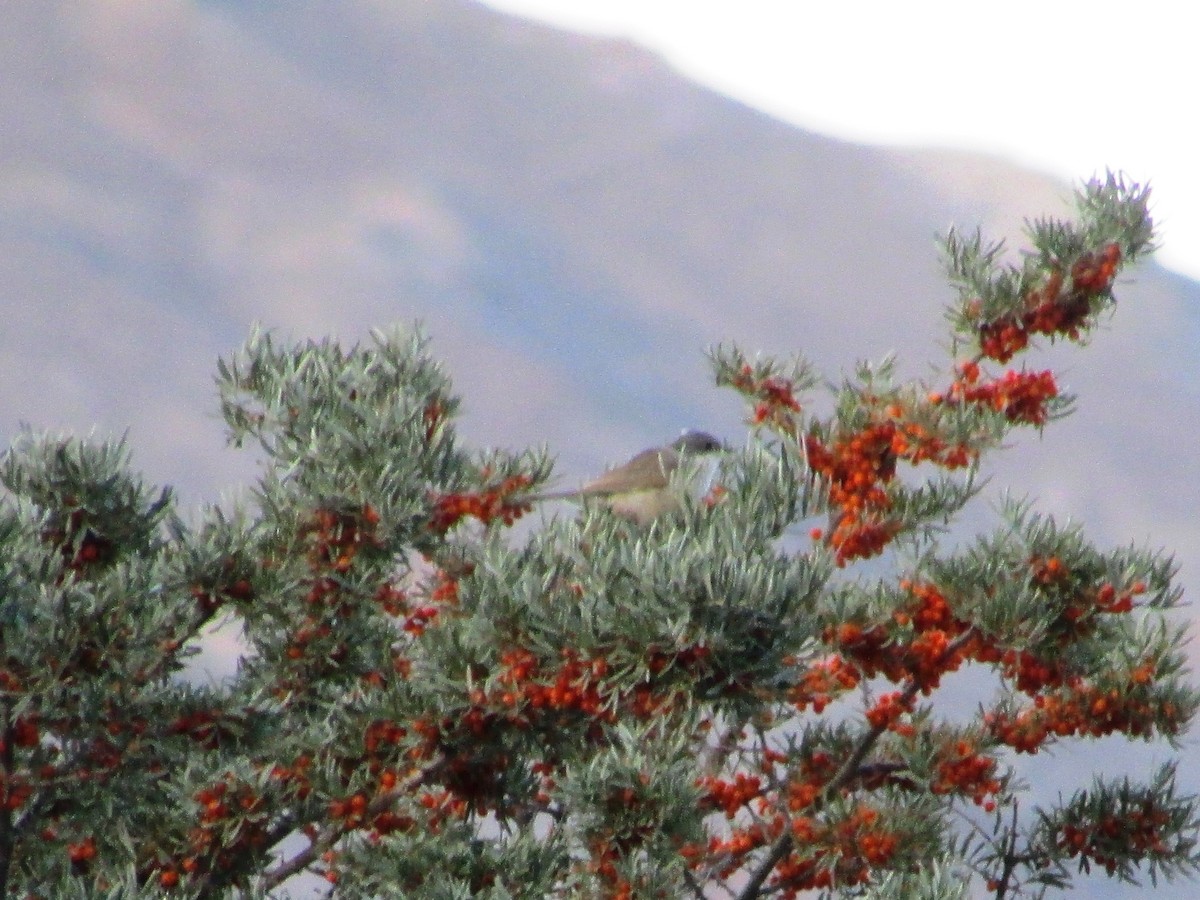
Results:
641 488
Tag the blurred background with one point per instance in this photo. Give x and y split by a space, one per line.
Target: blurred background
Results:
576 215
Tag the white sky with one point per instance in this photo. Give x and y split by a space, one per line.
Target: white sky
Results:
1065 86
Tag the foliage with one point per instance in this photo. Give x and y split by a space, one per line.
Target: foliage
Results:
429 707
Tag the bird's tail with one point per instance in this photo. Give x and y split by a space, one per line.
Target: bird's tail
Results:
549 495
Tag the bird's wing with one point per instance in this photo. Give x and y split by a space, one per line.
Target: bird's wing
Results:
649 470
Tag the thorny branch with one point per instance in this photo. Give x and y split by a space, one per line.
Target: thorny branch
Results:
848 772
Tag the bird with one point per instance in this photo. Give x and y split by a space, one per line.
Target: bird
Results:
641 489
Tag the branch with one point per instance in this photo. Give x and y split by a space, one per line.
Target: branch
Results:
334 831
848 772
693 885
1010 858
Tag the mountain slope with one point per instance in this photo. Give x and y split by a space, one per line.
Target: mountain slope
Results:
572 220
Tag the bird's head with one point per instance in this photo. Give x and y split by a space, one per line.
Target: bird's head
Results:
697 442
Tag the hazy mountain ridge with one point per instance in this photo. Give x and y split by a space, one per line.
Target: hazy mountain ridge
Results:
573 220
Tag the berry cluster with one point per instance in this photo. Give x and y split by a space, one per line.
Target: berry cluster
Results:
207 727
773 396
962 769
231 829
838 853
1093 273
1055 308
1112 837
526 690
78 539
294 778
821 681
730 853
1089 710
859 466
501 503
530 695
918 647
1021 396
81 854
336 538
887 710
729 796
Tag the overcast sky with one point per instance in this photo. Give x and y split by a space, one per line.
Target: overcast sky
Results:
1065 86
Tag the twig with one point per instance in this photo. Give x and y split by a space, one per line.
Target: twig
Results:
1010 858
